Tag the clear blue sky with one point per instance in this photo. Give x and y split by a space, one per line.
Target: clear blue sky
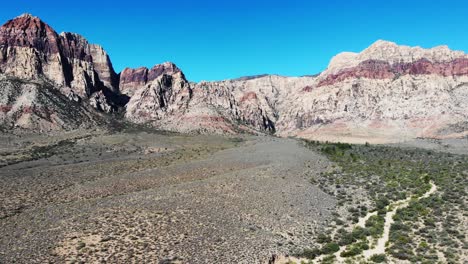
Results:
217 39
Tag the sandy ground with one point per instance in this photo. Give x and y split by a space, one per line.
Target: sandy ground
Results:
380 247
455 146
155 198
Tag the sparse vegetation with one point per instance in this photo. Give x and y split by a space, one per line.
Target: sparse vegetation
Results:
146 196
377 176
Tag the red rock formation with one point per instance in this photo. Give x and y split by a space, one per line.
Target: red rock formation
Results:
307 89
139 75
374 90
374 69
30 32
132 79
160 69
29 48
249 96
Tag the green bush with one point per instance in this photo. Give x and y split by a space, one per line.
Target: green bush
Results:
328 259
375 225
323 239
330 248
359 233
346 239
355 249
309 253
379 258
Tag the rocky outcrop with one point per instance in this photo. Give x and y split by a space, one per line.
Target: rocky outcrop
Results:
132 79
27 45
163 97
375 69
88 60
392 53
39 106
31 49
160 93
385 93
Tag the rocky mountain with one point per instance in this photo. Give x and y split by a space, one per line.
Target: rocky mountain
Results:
385 93
31 50
39 106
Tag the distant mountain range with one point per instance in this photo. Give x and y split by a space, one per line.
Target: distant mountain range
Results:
386 93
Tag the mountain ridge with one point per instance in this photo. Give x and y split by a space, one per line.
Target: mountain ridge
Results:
385 93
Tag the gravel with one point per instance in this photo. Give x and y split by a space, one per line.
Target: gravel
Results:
154 198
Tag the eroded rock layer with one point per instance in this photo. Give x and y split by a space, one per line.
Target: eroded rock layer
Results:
385 93
31 49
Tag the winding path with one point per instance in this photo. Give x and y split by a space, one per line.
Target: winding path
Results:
380 247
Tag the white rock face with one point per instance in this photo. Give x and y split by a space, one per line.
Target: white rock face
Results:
38 106
386 93
161 98
32 50
361 103
392 53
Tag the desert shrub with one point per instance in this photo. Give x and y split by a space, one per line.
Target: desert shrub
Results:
378 258
389 174
375 227
345 238
359 233
309 253
355 249
323 239
330 248
381 203
329 259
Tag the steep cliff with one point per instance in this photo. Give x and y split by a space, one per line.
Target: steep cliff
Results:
385 93
30 49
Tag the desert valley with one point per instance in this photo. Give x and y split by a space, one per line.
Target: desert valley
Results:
365 162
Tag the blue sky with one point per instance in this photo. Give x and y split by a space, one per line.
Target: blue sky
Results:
214 40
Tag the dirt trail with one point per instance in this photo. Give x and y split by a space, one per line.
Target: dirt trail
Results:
380 247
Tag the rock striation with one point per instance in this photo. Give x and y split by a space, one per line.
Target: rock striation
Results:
39 106
31 49
132 79
385 93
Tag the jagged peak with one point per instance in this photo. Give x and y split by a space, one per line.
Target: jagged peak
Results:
391 52
144 75
27 15
28 21
167 65
70 36
25 18
382 43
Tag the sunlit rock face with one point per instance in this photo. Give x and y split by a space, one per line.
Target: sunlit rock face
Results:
31 49
132 79
41 107
386 93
